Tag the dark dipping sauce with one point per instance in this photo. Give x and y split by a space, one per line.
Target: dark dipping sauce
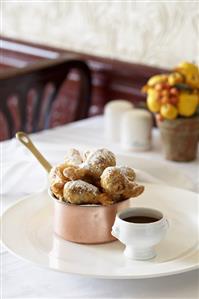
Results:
141 219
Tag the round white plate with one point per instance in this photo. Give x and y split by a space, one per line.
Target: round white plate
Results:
27 232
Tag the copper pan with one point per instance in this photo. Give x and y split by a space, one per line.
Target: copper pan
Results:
87 224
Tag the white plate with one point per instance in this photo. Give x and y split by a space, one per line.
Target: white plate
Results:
27 232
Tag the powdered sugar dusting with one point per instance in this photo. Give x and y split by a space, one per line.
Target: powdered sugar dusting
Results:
80 187
120 171
99 159
73 157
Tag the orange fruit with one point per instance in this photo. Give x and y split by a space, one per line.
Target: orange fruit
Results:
174 91
164 100
173 100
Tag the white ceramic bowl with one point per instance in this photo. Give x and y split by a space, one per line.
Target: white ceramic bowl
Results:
140 238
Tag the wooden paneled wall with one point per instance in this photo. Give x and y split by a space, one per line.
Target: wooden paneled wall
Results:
111 79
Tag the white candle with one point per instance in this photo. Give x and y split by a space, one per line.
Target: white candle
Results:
113 112
136 128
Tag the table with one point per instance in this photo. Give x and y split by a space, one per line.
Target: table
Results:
24 280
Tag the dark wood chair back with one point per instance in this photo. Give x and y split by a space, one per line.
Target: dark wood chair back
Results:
29 97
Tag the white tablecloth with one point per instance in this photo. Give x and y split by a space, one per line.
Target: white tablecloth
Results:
24 280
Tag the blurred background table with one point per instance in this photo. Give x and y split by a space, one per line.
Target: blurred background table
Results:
22 175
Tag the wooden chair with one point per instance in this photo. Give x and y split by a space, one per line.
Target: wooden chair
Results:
31 98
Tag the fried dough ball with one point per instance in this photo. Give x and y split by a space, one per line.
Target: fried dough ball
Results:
80 192
57 189
56 173
132 190
105 199
118 185
73 158
97 161
113 181
57 180
75 173
128 172
86 154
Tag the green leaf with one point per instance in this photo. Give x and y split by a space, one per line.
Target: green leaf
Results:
183 86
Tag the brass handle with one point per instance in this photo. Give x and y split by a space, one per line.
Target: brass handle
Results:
24 138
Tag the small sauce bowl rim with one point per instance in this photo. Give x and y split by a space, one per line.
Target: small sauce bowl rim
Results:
141 225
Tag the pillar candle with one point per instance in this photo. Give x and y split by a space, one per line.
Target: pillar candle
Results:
136 129
113 112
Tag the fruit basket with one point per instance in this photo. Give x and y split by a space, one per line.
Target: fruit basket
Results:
174 99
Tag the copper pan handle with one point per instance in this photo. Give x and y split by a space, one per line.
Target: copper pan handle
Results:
25 140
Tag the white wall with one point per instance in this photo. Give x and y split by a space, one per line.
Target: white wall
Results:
152 32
